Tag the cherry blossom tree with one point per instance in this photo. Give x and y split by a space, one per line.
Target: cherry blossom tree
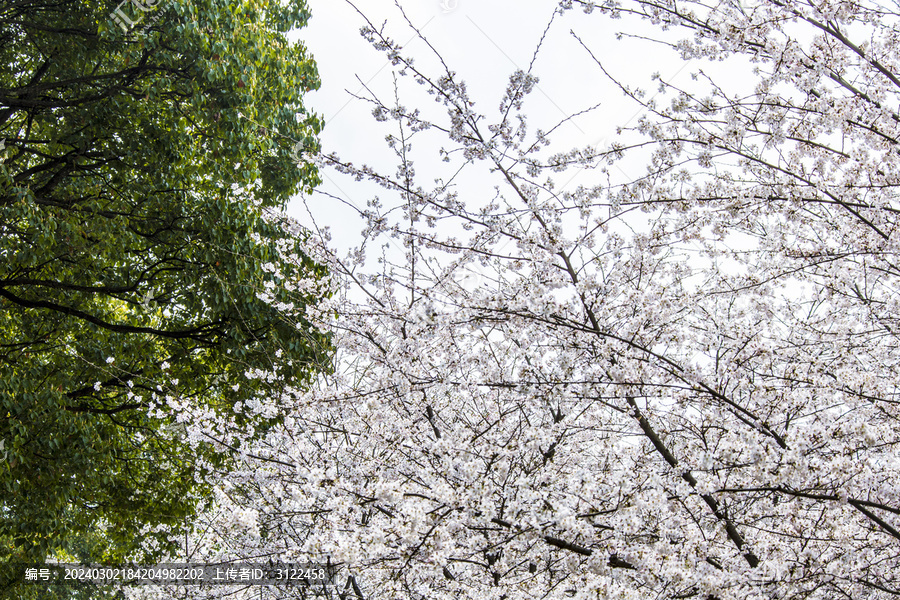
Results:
676 385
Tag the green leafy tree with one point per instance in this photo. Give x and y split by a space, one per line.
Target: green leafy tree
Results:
145 150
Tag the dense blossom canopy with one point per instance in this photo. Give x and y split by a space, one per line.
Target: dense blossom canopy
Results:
680 385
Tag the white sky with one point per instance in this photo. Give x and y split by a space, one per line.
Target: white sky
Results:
485 42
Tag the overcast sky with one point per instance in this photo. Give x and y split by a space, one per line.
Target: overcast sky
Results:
485 42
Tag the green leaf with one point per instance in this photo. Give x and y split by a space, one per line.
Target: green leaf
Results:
129 158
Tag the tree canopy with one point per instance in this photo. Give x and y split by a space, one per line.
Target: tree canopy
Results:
676 385
143 167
